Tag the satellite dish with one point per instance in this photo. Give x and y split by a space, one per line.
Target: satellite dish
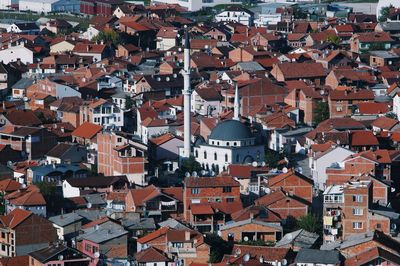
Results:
393 189
218 81
254 164
212 173
289 236
267 190
89 205
187 174
194 174
203 172
246 238
170 244
284 262
263 164
97 254
246 257
60 257
285 170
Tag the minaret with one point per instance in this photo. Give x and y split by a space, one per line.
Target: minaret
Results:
187 93
236 106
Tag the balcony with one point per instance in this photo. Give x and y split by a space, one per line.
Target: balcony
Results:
183 252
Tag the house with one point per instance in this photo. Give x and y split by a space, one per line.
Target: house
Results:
167 38
364 41
54 173
8 154
107 239
152 256
342 102
86 133
298 240
67 225
99 7
24 28
102 112
21 138
75 187
8 186
206 101
372 256
336 58
24 232
383 58
66 153
120 155
236 14
251 230
242 254
151 201
29 199
125 50
204 197
185 245
293 71
165 149
17 54
317 257
358 78
320 160
347 211
285 204
57 254
306 100
293 182
97 51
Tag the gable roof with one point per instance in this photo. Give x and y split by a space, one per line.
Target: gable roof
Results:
87 130
14 218
151 254
301 70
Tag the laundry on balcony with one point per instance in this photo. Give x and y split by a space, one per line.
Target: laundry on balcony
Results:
167 203
328 220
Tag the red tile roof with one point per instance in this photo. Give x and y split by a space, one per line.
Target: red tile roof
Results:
15 261
200 209
373 108
14 218
384 123
218 181
151 254
301 70
363 138
87 130
9 185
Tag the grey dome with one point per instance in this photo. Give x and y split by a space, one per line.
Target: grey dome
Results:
230 130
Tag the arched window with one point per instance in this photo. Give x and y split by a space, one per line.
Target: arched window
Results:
196 153
205 155
215 156
226 157
235 144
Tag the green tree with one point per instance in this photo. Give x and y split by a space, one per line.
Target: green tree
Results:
219 247
189 165
310 223
272 157
321 112
108 37
299 13
333 39
385 13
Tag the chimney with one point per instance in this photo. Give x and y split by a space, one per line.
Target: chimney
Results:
4 106
187 235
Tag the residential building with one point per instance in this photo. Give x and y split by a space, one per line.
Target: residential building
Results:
102 112
29 199
24 232
364 42
208 201
236 14
119 155
58 254
67 225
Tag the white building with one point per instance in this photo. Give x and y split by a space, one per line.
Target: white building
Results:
268 19
396 105
6 4
195 5
236 14
39 6
206 101
104 113
15 53
323 160
230 142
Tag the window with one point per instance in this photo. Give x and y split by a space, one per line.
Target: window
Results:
227 189
230 199
226 157
357 198
195 191
88 248
215 156
378 226
357 211
357 225
205 155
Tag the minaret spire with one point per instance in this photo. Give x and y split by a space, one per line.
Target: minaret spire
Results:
236 106
187 93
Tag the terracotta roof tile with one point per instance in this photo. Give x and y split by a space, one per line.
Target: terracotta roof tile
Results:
87 130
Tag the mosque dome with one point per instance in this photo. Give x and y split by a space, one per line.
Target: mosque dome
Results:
231 130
